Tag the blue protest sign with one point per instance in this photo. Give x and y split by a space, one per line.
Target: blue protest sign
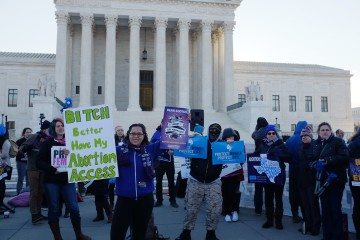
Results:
196 148
225 153
263 170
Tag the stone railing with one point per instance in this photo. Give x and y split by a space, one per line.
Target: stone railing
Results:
234 106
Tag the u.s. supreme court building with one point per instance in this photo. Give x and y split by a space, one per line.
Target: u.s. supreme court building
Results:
139 56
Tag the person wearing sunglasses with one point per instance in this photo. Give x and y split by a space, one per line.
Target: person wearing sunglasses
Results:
275 150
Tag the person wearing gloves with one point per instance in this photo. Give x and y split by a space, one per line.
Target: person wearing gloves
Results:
293 144
306 183
332 160
231 183
275 150
204 184
258 135
57 185
354 152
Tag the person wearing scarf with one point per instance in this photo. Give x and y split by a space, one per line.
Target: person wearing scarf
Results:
333 157
57 185
135 184
275 150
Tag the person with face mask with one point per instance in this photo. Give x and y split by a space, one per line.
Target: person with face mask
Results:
333 159
204 183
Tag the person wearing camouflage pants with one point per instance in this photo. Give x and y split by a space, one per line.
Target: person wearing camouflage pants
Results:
204 184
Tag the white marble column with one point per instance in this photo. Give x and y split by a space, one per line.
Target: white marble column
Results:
207 86
221 89
87 22
110 60
228 63
62 20
215 42
160 64
134 68
184 65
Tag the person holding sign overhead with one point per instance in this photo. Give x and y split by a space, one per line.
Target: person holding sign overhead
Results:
135 185
56 184
274 149
354 152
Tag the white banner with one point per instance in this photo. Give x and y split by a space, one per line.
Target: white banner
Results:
90 140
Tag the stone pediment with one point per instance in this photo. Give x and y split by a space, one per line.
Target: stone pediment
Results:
194 9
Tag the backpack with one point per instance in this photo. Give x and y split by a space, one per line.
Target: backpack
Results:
14 149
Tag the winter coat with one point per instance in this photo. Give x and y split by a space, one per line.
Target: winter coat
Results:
164 153
31 147
203 170
21 156
306 174
136 172
336 156
5 153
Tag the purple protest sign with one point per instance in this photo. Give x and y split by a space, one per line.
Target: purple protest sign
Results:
175 128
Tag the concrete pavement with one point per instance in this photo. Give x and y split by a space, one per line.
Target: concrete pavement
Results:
168 220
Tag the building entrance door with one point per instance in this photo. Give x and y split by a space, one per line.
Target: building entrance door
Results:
146 90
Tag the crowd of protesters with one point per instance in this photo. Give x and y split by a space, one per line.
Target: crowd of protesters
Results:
317 177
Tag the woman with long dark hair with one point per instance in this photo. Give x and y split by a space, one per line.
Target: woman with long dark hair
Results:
135 184
354 152
57 186
333 159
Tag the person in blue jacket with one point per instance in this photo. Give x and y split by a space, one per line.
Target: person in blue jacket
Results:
135 185
294 144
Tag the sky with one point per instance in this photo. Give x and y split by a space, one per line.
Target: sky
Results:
323 32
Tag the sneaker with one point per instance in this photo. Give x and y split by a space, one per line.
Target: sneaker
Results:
235 216
228 218
35 218
158 204
174 205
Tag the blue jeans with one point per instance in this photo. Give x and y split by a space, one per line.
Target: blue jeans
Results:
22 173
68 193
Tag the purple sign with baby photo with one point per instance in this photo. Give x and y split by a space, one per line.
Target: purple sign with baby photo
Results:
175 128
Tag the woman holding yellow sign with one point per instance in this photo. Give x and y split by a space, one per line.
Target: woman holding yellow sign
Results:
56 184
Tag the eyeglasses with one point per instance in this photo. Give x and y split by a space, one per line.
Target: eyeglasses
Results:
271 133
136 134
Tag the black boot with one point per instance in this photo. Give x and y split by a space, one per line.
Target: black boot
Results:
278 220
210 235
185 235
108 211
99 212
55 229
269 220
356 220
78 233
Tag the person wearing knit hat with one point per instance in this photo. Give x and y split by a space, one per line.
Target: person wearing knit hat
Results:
275 149
306 183
307 131
230 184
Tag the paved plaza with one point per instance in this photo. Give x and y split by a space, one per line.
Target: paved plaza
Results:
168 220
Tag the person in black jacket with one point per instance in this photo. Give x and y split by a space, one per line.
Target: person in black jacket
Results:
333 158
204 183
354 152
56 184
21 162
306 183
275 150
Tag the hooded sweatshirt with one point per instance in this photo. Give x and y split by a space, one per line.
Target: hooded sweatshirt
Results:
294 144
